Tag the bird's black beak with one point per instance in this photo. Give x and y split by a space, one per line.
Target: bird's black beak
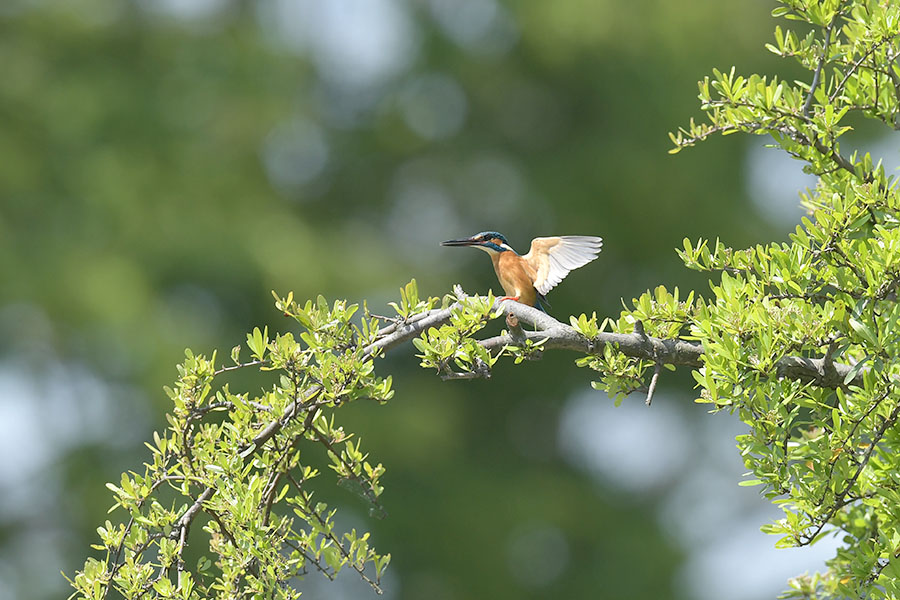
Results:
462 242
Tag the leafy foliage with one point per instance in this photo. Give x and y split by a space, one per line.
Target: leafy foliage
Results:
827 457
453 343
240 460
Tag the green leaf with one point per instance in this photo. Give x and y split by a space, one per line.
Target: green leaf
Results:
855 370
332 557
864 331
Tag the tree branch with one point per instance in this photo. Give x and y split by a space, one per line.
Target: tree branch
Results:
822 60
821 372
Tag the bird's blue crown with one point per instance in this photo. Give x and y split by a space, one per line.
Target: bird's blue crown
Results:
487 236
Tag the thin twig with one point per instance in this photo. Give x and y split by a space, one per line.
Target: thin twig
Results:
840 86
818 72
653 381
839 497
192 511
251 363
326 531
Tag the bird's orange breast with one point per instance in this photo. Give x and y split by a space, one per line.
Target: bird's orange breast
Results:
515 277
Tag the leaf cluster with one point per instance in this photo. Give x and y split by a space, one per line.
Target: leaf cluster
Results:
659 313
451 348
242 461
827 457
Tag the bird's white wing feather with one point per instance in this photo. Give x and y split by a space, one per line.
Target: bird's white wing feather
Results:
553 257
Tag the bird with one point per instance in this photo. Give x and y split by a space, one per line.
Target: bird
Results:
528 278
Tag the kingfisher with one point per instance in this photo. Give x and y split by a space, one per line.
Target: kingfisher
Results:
527 279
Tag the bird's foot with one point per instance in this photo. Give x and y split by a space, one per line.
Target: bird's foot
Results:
516 298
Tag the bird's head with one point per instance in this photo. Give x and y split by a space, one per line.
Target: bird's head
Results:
491 242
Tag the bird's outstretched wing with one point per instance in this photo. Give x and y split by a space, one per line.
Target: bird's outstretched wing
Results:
553 257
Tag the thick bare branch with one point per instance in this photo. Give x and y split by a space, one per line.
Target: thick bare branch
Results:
821 372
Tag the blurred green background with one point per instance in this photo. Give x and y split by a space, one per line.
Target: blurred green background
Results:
165 164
